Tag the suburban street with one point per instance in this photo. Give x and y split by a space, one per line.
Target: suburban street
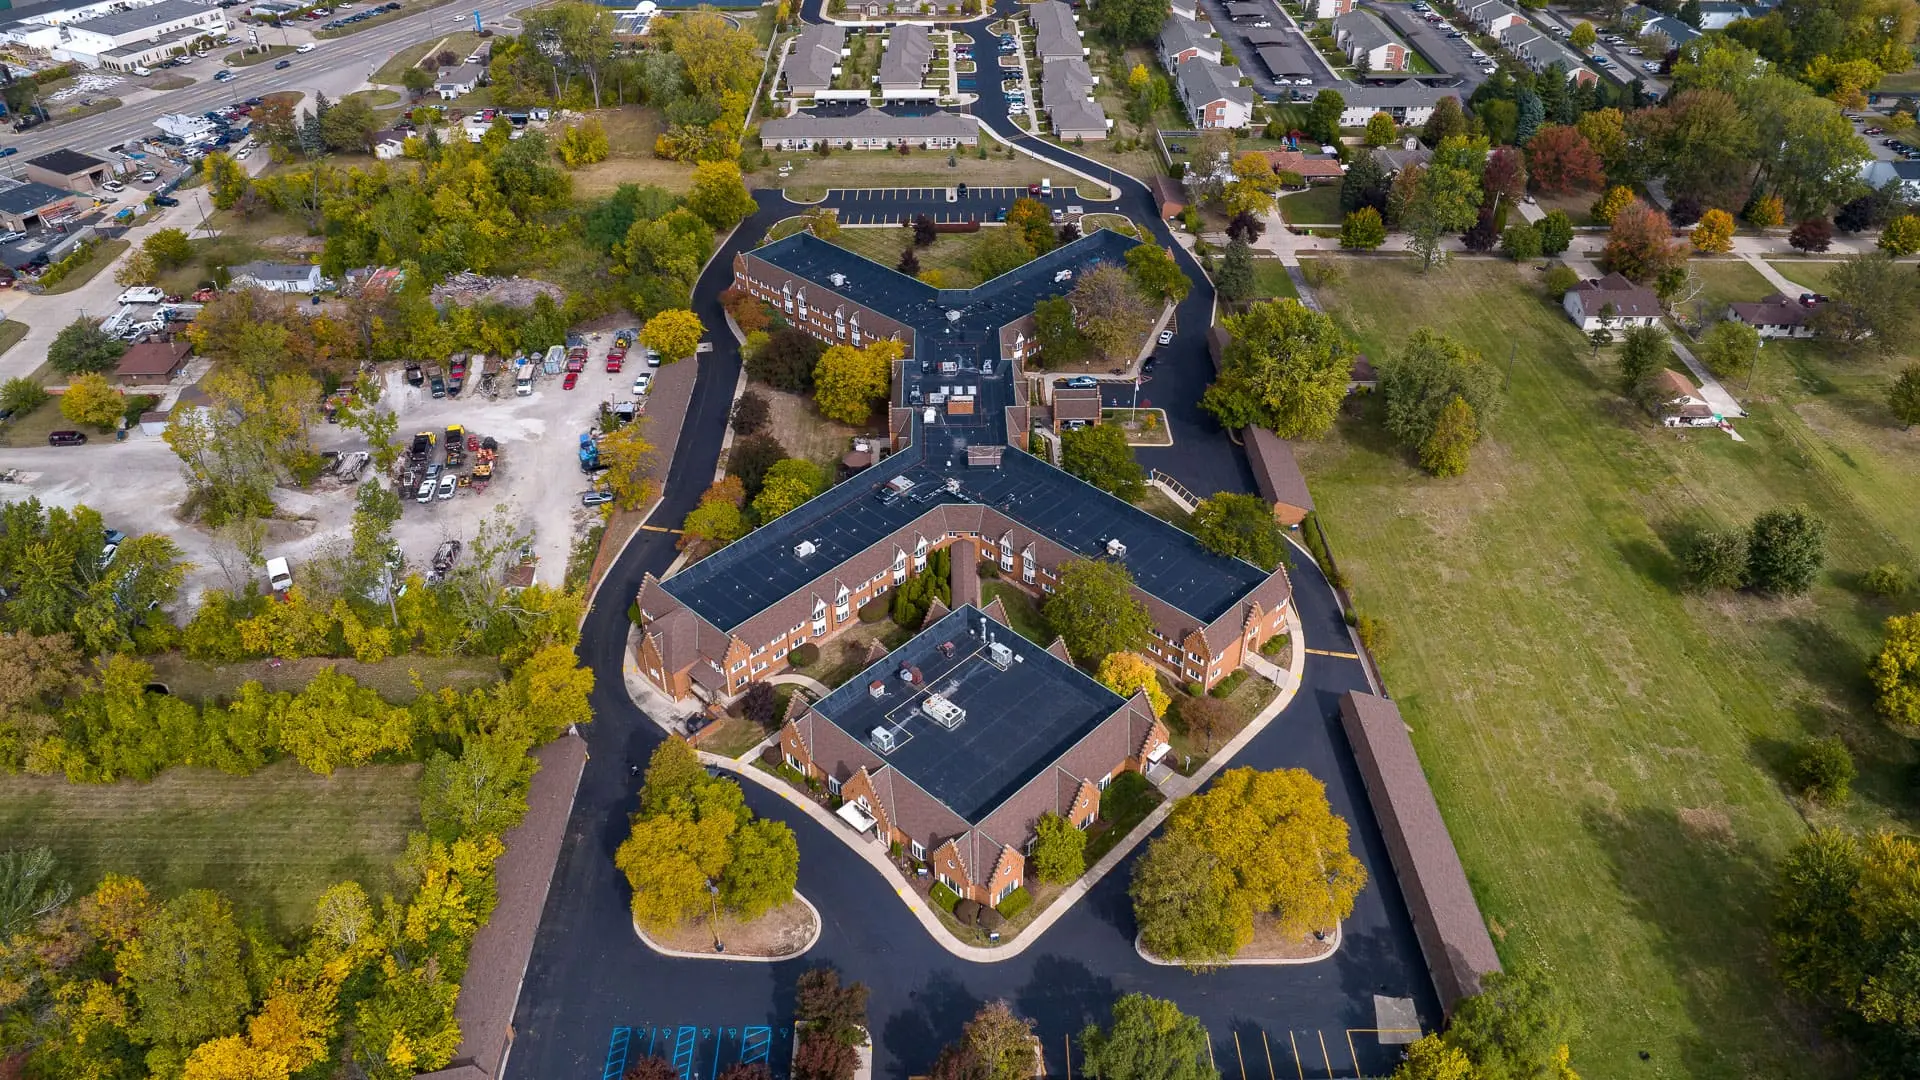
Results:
590 976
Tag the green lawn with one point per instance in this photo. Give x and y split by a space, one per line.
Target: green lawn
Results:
1607 748
950 253
1318 205
1722 282
1813 275
11 332
460 43
249 57
270 841
1023 613
1270 279
394 678
102 256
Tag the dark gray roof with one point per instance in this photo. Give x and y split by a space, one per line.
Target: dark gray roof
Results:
815 53
1284 59
1018 720
137 19
1181 34
1203 81
67 162
909 48
1272 35
29 196
871 124
1054 33
273 271
1275 472
1363 31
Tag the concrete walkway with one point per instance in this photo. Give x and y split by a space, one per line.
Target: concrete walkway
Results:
806 682
1710 388
876 854
1774 277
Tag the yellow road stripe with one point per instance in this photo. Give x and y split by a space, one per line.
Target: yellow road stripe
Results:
1297 1066
1269 1050
1324 1056
659 528
1237 1053
1328 652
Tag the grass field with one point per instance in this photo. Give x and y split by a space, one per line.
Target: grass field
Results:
1724 281
270 841
631 131
813 174
393 678
1023 611
1270 280
950 253
1607 749
460 43
11 332
1318 205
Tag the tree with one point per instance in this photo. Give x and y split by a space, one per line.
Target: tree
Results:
1713 235
90 399
1517 1027
188 977
849 382
1446 451
1520 242
483 792
1365 184
1842 931
1823 771
1363 230
1505 175
1583 36
674 334
1131 22
21 395
1642 357
1447 120
1785 550
1128 673
1234 278
1903 396
1157 274
1381 130
628 457
1730 347
1109 310
1873 302
1285 369
1715 559
1001 250
1616 199
1811 235
1000 1042
1640 246
1767 212
1420 381
1149 1039
820 1058
1059 850
1556 232
346 127
1033 221
583 144
719 195
750 459
762 871
1206 718
924 232
30 889
1684 211
751 414
1099 454
1606 133
788 485
1059 341
1094 610
652 1068
1529 114
1323 116
1560 159
417 80
1185 905
787 360
1895 673
81 346
1901 236
1240 526
909 263
1433 1058
1444 196
169 248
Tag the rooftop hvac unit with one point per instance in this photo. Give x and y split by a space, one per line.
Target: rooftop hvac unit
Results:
804 548
883 740
838 279
953 485
943 712
1116 549
999 655
953 315
929 415
877 688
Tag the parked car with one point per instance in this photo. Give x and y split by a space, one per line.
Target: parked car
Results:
642 383
165 200
595 498
1166 337
439 386
449 483
572 380
66 438
1082 382
425 494
106 555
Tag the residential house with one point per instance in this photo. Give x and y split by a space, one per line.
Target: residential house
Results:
1066 89
904 64
461 81
1311 168
815 59
1540 51
1277 476
1669 32
1719 14
1055 37
1878 174
870 129
1392 159
1368 43
1330 9
1681 403
1184 9
1183 39
1492 16
1213 95
388 145
1409 103
1611 302
1775 316
152 363
277 277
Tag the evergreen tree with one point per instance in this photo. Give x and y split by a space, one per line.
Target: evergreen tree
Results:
1532 115
1364 185
1235 276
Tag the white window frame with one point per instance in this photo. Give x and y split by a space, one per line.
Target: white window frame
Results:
917 850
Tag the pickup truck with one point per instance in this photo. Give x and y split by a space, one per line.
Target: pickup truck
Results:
615 356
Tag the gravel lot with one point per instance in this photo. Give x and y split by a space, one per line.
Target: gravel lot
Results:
137 485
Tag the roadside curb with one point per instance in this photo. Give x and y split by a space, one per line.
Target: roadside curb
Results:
735 958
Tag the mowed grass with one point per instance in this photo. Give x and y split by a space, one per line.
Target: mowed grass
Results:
1317 205
271 841
950 253
1606 747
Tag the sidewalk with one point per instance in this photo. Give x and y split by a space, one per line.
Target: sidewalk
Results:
1774 277
1710 388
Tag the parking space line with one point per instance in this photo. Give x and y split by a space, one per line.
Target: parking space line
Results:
1324 1056
1297 1067
1269 1051
1239 1054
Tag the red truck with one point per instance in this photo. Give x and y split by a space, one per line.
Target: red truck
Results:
615 356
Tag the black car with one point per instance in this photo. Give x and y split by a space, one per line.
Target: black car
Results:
282 65
1147 368
165 200
962 191
439 387
66 438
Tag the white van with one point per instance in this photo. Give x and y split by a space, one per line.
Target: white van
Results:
1046 189
523 380
139 69
279 575
143 294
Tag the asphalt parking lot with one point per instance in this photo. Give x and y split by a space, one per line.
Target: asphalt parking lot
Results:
892 206
137 485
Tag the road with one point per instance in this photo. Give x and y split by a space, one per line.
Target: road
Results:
591 986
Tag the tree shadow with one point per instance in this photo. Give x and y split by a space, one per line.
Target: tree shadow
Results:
1063 995
932 1018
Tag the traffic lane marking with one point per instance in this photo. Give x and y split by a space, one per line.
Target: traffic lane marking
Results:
1328 652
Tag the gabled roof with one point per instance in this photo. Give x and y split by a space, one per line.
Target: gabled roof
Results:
1628 300
1772 310
152 358
815 53
909 48
1054 33
1203 81
274 271
1180 34
1275 472
1364 31
872 123
1075 113
1676 385
1076 404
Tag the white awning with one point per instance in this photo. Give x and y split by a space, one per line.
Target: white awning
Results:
854 815
1159 752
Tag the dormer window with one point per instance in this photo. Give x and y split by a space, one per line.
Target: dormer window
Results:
899 566
920 555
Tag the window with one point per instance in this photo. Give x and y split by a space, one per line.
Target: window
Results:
1104 781
780 652
833 784
1026 572
919 852
793 762
819 627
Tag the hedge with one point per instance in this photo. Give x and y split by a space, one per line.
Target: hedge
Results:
1016 902
943 896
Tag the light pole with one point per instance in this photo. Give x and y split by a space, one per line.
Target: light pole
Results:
713 895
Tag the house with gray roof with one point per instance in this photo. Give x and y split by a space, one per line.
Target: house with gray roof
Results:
1409 102
1066 89
870 129
277 277
1492 16
815 59
1540 51
1184 39
904 65
1367 41
1213 95
1055 36
1669 29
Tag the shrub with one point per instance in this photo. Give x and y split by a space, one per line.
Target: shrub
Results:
633 613
22 396
1716 560
770 757
943 896
967 911
1016 902
1194 689
873 610
991 919
1887 580
804 655
1128 795
1276 644
1823 771
1374 636
1225 687
1560 279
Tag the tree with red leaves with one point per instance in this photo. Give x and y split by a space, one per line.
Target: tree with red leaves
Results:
652 1068
1641 246
1505 176
820 1057
1561 159
740 1070
1813 234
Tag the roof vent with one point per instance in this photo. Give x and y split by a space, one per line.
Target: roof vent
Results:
877 688
837 278
953 315
953 485
929 415
907 674
804 548
1116 549
883 740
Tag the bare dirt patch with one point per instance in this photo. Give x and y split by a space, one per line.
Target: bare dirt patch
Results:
784 931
